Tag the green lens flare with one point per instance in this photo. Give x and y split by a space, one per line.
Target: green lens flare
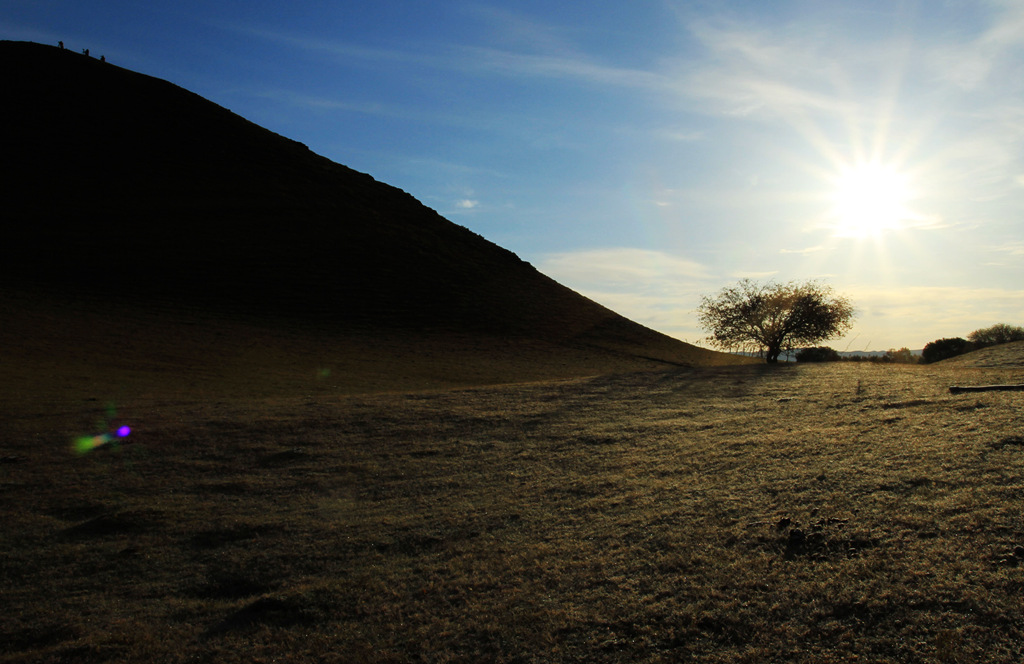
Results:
86 444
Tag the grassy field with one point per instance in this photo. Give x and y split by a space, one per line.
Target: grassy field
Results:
746 514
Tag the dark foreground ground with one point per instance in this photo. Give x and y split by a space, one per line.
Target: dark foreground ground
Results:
794 514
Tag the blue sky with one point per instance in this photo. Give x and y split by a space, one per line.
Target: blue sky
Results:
646 153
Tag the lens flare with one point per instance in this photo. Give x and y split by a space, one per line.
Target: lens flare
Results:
86 444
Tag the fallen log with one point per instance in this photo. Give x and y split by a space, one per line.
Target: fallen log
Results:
957 389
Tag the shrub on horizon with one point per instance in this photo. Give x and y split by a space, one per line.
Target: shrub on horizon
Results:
901 356
942 349
1000 333
818 354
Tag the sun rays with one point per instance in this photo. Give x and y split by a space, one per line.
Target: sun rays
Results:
870 198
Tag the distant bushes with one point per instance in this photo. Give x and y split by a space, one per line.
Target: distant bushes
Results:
943 349
826 354
891 356
901 356
1000 333
818 354
940 349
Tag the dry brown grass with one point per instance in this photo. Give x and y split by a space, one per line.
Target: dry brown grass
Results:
808 513
1003 356
68 348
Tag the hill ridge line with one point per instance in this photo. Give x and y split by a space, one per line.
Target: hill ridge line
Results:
141 190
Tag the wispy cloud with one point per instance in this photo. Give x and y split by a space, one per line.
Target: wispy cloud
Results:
746 70
746 274
683 136
806 250
617 268
468 58
321 103
971 62
652 287
339 49
509 27
1012 249
579 69
811 67
913 316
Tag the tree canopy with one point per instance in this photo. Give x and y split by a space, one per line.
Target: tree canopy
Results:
772 317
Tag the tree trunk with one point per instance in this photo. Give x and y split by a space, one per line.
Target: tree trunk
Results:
772 355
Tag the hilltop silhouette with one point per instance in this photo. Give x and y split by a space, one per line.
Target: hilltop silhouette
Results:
124 186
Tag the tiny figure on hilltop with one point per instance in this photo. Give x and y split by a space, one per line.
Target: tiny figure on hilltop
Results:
85 52
60 45
103 58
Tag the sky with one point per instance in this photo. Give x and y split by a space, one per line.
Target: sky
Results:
646 153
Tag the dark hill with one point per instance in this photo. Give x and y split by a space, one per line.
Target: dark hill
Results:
117 184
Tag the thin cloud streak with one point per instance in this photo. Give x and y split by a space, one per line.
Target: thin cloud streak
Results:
808 250
560 67
476 59
635 270
338 49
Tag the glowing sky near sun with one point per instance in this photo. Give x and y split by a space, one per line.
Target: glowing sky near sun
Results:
645 154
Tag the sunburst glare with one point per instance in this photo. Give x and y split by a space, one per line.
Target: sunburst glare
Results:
869 199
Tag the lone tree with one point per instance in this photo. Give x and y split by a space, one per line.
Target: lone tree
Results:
773 317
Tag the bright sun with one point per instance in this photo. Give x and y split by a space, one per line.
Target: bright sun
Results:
869 199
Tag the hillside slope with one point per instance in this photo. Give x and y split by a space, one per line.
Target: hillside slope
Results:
123 185
1002 356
